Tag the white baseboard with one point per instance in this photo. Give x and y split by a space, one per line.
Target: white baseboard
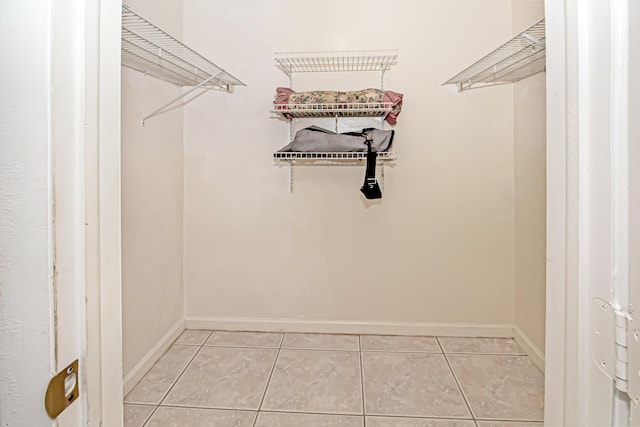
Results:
535 354
350 327
147 362
330 327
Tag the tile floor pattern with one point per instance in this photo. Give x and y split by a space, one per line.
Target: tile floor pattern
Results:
254 379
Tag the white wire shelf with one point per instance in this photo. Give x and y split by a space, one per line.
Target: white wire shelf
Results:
301 62
150 50
519 58
341 109
349 155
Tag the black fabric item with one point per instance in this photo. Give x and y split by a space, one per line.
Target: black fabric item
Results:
370 188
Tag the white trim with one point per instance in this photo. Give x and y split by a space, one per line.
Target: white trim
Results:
350 327
143 366
556 349
103 367
533 351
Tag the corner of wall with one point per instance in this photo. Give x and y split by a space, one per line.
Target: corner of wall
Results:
529 98
152 203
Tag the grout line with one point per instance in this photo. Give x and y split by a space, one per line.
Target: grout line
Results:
207 408
364 418
319 349
146 421
206 339
140 403
179 376
342 414
508 420
464 397
421 417
266 387
242 346
486 354
403 351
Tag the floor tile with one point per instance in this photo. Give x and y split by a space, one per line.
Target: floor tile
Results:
245 339
399 343
136 415
417 422
501 387
278 419
193 337
183 417
315 381
411 384
321 342
155 384
508 424
480 345
224 378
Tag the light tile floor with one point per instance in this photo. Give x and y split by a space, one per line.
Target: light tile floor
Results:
253 379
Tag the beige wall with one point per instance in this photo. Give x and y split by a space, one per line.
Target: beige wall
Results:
438 248
530 189
151 200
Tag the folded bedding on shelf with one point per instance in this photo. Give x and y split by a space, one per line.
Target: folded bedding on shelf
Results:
317 139
288 96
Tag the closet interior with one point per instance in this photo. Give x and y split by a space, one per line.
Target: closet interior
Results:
222 258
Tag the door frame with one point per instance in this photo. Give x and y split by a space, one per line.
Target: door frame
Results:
104 367
587 206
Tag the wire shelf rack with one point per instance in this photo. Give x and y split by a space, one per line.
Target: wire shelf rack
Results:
347 155
519 58
150 50
363 60
352 109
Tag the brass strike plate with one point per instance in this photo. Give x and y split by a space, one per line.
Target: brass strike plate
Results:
63 390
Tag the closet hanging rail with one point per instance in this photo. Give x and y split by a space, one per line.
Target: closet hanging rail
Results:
150 50
519 58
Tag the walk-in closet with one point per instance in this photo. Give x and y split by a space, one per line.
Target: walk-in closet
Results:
338 213
261 287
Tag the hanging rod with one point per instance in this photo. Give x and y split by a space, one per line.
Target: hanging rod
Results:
521 57
149 50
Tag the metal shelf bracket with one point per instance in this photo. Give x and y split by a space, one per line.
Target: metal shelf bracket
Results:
173 101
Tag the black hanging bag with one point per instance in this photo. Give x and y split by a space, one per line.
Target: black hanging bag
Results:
370 188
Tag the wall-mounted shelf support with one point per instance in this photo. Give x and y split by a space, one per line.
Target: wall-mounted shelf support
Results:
178 98
519 58
150 50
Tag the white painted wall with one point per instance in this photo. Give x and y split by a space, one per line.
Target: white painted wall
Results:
152 191
26 348
438 248
530 191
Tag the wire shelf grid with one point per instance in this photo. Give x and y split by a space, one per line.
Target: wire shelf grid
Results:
150 50
349 155
519 58
342 109
301 62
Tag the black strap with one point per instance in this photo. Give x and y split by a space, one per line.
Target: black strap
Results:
370 188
